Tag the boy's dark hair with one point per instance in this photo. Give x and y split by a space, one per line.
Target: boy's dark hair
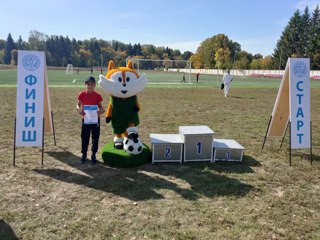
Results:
90 79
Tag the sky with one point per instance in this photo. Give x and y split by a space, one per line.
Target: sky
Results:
179 24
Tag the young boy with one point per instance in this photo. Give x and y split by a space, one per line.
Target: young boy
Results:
86 100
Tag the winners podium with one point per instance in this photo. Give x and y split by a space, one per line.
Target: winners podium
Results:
194 144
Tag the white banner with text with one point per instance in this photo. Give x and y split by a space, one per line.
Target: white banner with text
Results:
30 98
300 102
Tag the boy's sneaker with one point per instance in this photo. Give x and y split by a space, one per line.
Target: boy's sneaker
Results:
93 159
83 158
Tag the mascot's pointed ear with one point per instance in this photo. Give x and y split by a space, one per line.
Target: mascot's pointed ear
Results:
130 65
111 65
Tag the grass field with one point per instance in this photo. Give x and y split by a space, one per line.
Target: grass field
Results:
260 198
8 78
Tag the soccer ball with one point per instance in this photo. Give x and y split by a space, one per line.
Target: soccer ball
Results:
133 146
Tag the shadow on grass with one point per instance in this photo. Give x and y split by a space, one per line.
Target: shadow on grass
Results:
306 156
315 157
241 97
142 183
236 167
6 232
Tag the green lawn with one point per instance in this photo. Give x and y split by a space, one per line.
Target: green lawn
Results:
58 78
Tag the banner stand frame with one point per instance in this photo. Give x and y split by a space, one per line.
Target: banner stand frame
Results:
54 133
284 135
265 137
42 148
14 142
42 151
290 150
311 143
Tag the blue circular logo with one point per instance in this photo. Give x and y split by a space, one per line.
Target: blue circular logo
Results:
31 62
299 69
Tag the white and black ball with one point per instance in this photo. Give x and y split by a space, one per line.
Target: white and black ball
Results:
133 146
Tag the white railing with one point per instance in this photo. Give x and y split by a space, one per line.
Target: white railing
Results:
236 72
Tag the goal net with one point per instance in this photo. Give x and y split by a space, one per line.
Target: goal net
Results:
69 69
163 71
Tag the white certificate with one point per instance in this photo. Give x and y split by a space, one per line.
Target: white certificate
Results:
91 114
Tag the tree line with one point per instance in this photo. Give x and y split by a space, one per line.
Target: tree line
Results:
61 50
222 53
300 38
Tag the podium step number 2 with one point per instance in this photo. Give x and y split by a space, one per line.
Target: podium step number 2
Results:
166 148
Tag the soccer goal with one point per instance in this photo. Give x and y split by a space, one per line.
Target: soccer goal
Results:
69 69
163 71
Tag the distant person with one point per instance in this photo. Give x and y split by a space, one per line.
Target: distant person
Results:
101 70
183 78
197 77
91 70
226 80
91 98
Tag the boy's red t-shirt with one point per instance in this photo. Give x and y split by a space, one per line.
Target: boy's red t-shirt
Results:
93 98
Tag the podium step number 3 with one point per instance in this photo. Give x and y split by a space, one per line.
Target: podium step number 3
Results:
227 150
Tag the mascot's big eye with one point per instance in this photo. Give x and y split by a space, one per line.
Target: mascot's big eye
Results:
120 79
127 79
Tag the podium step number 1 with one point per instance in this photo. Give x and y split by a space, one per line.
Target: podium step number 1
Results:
197 143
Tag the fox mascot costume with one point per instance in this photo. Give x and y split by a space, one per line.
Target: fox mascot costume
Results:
123 84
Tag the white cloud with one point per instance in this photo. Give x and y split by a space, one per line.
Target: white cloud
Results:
301 5
184 46
264 46
282 22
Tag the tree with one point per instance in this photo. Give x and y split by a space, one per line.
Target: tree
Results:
137 49
2 56
257 56
176 54
130 50
222 58
286 45
298 38
256 63
85 56
186 55
243 60
9 47
60 50
314 41
2 44
14 57
208 49
147 50
267 62
37 41
20 44
196 61
304 33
